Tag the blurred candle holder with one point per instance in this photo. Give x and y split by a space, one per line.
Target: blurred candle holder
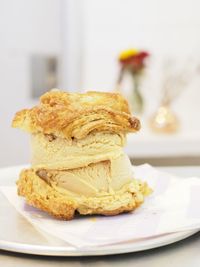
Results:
164 120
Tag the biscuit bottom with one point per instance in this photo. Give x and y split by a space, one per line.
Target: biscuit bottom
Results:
61 203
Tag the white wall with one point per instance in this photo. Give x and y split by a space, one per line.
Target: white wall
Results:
165 28
26 27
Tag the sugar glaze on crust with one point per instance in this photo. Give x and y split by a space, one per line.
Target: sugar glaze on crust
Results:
73 115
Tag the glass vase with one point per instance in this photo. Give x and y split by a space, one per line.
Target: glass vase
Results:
136 99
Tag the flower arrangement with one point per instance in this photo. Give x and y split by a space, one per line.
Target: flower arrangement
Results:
132 61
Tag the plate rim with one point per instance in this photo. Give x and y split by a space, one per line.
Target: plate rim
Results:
70 251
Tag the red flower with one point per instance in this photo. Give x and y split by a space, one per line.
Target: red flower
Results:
135 61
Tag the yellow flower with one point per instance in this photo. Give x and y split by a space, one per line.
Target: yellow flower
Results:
128 53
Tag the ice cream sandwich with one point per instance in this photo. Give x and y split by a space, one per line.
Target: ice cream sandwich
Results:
78 163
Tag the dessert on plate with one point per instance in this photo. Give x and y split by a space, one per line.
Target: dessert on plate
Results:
78 163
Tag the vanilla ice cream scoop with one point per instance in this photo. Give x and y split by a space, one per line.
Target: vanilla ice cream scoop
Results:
95 180
52 152
104 186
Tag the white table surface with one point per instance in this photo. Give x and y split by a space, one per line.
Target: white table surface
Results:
181 254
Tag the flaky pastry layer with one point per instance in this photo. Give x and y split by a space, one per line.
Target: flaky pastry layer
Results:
40 194
73 115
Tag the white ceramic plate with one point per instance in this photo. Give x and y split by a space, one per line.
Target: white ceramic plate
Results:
18 235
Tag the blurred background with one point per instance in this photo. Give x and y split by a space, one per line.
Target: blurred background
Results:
147 50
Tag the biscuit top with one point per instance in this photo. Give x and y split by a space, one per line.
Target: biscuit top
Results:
75 115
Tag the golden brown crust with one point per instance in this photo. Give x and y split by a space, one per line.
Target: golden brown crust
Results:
41 195
77 115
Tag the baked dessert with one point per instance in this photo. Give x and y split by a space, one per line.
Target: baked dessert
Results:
78 163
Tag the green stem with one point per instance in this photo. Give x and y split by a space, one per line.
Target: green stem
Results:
137 101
